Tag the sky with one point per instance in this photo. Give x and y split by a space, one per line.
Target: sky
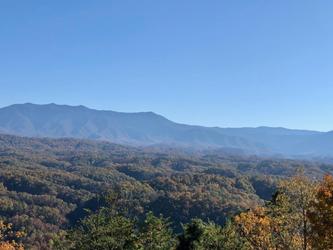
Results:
214 63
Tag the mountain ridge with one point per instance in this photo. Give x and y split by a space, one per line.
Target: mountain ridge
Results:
148 128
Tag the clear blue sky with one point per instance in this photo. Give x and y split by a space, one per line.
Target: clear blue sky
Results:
215 63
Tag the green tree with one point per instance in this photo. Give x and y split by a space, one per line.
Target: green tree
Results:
198 235
104 230
295 198
156 234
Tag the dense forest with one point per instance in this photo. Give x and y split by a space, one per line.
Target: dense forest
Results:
81 194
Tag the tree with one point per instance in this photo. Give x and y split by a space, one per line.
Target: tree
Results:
198 235
231 238
284 222
256 227
104 230
294 202
321 217
8 236
156 234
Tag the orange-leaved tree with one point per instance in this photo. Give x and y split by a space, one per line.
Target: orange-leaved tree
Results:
284 222
256 227
321 217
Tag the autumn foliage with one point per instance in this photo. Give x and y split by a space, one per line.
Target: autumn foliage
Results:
74 194
8 236
321 217
300 216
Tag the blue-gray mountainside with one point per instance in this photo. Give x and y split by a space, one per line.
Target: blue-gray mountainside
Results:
148 129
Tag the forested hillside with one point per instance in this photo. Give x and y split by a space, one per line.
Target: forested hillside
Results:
50 186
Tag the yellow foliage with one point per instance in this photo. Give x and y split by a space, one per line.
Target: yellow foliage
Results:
10 246
282 224
5 231
321 217
256 227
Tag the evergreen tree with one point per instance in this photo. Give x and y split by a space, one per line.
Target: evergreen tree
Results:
104 230
156 234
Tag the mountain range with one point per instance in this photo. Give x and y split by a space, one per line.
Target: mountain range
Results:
150 129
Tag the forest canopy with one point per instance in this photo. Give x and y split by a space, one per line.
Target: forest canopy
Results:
66 193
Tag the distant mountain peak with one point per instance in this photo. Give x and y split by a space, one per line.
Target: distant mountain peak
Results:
149 128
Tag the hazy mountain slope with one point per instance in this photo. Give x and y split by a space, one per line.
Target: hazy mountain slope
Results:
144 128
286 141
279 140
147 128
